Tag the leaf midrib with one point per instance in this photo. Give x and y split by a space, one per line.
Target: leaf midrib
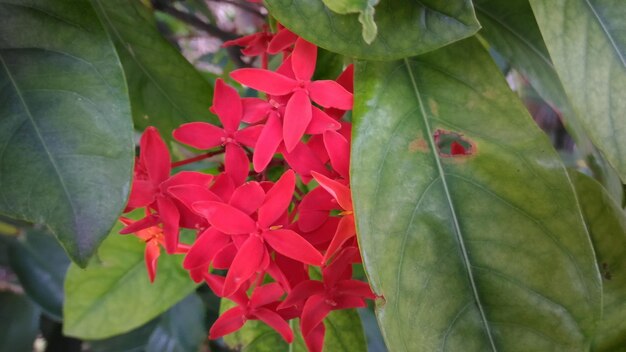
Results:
455 221
606 31
31 119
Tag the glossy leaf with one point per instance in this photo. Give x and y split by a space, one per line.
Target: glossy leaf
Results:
511 29
40 264
404 28
606 222
344 333
365 9
66 147
460 246
113 294
587 42
165 89
19 325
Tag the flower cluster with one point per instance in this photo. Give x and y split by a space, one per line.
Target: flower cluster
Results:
287 251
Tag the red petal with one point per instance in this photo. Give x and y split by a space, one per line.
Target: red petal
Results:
302 292
248 197
227 105
151 257
228 322
132 227
346 78
276 322
225 218
189 177
345 231
457 149
314 311
303 59
341 263
255 110
339 152
355 288
349 302
224 258
298 115
249 135
204 249
315 339
277 199
223 186
264 80
321 122
281 41
236 163
339 191
304 161
141 194
170 217
215 283
200 135
292 245
154 155
266 294
246 263
268 143
189 194
330 94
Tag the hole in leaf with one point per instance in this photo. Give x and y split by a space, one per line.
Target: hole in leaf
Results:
451 144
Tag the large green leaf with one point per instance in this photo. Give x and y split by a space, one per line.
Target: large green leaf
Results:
40 263
181 328
405 28
511 29
113 294
606 222
165 89
344 333
587 42
481 252
66 146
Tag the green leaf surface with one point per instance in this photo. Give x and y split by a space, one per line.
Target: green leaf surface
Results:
181 329
482 252
19 324
404 28
113 294
40 264
66 147
606 222
587 42
344 333
165 89
511 29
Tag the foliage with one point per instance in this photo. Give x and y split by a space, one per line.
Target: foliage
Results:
327 145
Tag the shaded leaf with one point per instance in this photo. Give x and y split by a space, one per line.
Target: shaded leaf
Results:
66 147
481 251
404 28
181 328
587 42
19 324
40 264
606 222
113 294
365 9
165 89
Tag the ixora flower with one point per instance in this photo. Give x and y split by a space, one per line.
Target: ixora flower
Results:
270 237
300 88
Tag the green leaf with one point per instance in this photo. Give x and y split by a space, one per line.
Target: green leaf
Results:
365 9
404 28
66 147
19 325
606 222
344 333
40 264
511 29
165 89
485 251
181 328
114 295
587 43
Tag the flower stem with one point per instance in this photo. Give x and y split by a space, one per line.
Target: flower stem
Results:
197 158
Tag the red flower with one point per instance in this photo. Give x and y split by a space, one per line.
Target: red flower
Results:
257 236
299 110
260 306
201 135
